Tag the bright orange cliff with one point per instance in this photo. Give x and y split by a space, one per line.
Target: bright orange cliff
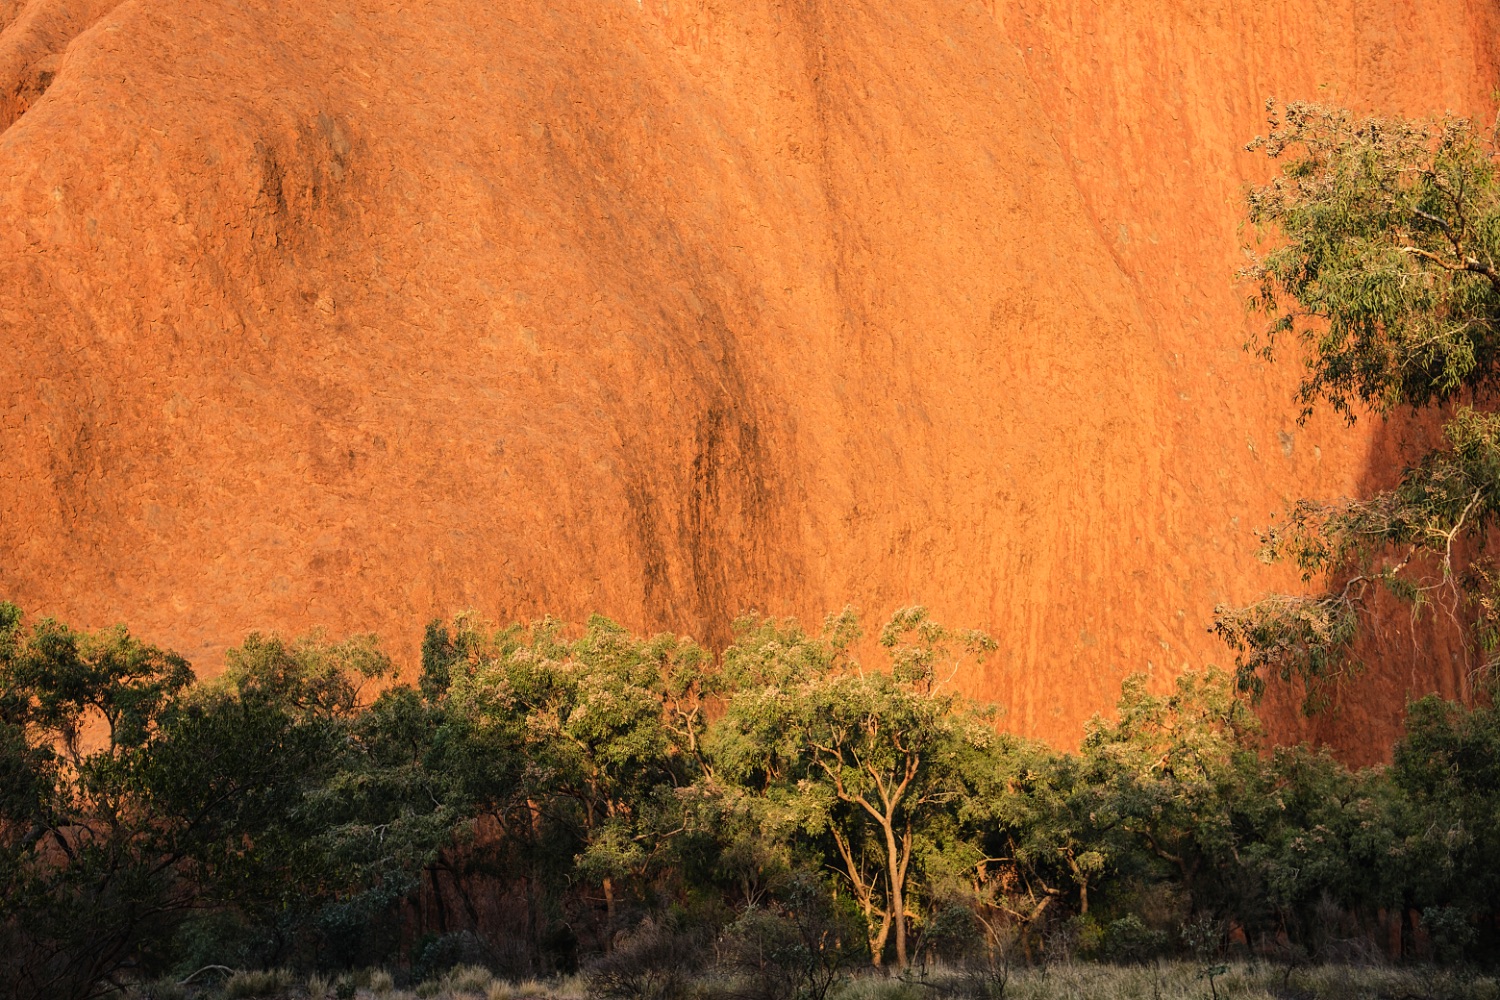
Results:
356 312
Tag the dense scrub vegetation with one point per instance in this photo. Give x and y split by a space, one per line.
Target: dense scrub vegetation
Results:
545 800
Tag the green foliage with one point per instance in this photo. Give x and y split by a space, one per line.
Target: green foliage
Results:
1157 797
80 888
555 797
134 800
1446 771
580 745
799 947
1387 269
1128 939
873 764
1385 272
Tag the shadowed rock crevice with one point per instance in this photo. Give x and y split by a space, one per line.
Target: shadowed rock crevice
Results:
26 88
34 35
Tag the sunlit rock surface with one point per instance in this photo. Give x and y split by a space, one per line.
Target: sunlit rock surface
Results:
352 313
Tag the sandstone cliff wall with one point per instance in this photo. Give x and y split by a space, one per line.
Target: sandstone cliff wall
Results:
355 312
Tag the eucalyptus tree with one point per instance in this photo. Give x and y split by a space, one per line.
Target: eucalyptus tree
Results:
136 799
1445 861
1384 269
603 728
1173 769
871 760
84 878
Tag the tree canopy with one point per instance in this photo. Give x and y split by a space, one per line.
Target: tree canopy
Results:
546 797
1384 269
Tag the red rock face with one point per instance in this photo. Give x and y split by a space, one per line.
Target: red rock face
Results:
355 312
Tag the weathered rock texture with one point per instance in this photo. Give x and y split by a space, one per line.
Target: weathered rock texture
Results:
355 312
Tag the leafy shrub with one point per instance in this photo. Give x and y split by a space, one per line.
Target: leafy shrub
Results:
802 949
1128 939
438 956
220 937
652 963
1452 931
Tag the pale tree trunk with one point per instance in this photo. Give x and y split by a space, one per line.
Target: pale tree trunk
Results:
877 942
898 895
1081 877
865 893
533 881
892 794
1028 920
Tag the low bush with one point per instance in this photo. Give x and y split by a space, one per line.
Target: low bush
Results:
651 963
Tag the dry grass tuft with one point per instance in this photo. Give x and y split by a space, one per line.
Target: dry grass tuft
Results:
246 984
1062 981
1180 981
161 989
468 979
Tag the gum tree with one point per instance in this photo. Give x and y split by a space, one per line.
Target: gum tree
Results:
605 729
869 760
83 873
1385 272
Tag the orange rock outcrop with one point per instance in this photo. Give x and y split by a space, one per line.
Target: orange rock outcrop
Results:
356 312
